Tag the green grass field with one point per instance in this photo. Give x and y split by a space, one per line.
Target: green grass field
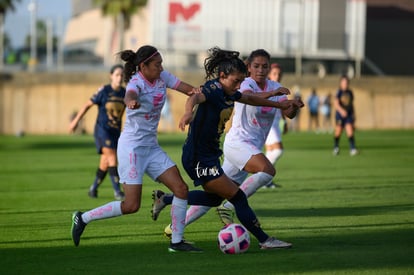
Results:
344 215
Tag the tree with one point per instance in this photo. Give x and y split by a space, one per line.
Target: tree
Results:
41 33
5 6
121 11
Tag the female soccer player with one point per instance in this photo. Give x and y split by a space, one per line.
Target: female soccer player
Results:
273 144
245 139
345 116
201 151
111 107
139 151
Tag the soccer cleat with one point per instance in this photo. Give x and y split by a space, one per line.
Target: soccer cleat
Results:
168 231
120 196
168 234
335 151
93 193
272 243
183 246
158 203
225 215
77 227
353 152
271 185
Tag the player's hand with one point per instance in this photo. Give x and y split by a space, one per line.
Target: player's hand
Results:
72 126
185 119
133 104
285 104
195 91
298 102
281 91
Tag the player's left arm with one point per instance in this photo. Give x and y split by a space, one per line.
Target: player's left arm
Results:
278 92
187 89
258 101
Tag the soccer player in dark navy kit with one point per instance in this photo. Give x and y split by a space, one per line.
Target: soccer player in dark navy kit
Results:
207 113
345 116
111 107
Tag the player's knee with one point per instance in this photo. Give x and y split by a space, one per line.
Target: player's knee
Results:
181 191
130 207
269 169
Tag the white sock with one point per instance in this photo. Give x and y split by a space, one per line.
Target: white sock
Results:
109 210
251 184
274 155
195 212
178 211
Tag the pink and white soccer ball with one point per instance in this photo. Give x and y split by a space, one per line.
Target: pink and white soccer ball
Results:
233 239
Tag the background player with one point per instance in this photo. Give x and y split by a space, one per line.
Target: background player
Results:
111 107
344 116
273 144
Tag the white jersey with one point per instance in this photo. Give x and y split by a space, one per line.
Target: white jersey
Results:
141 124
252 123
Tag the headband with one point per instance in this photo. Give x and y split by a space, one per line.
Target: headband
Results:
151 56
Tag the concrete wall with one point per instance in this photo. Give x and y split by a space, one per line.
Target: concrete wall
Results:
42 103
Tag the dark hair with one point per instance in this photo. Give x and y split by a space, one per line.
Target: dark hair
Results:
344 77
256 53
275 66
223 61
133 59
114 67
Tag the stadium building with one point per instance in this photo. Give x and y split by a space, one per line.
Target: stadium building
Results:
386 26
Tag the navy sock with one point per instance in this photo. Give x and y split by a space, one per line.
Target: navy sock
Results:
198 197
113 173
168 198
352 142
100 175
247 217
336 141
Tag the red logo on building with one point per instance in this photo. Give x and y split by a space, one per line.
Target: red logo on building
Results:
178 10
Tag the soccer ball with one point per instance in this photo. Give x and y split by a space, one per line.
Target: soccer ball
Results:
233 239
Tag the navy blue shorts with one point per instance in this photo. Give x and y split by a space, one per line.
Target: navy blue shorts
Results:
344 120
202 171
106 139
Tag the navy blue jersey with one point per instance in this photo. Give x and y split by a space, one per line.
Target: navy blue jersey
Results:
346 100
203 140
108 124
111 107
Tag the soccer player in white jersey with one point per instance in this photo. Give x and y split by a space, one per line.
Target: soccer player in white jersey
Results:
250 127
138 148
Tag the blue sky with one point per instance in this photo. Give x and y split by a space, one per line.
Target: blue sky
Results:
17 24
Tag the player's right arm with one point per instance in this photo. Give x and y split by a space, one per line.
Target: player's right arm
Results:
191 102
74 123
131 100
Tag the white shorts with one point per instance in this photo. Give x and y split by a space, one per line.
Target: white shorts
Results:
133 162
236 155
233 172
275 135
